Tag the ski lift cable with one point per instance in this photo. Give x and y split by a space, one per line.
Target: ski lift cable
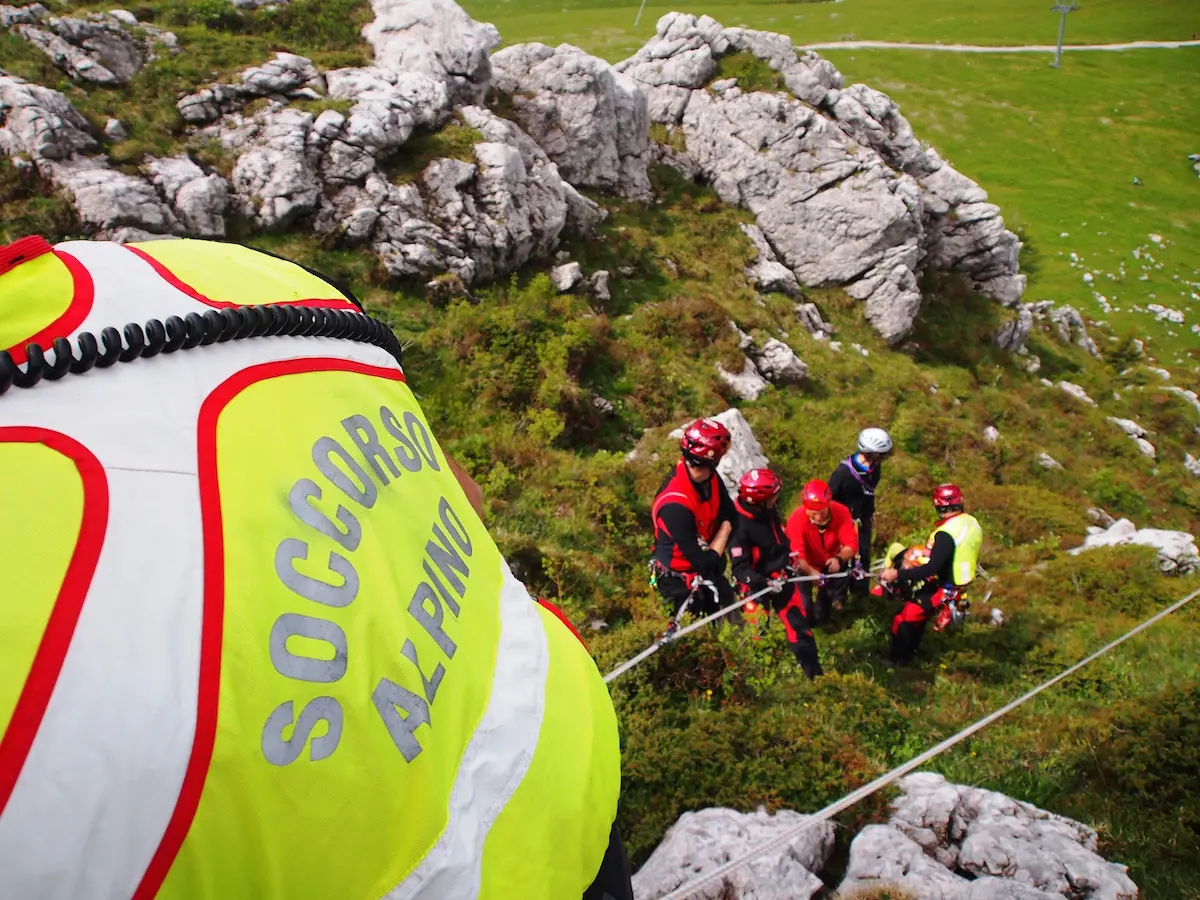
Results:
690 888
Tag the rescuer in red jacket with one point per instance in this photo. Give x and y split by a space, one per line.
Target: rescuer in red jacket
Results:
693 519
823 535
762 557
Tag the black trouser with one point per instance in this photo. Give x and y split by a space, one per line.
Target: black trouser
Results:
908 627
790 606
613 880
675 590
864 553
818 609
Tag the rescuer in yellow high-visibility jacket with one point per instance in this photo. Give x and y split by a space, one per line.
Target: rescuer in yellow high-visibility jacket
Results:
936 584
257 642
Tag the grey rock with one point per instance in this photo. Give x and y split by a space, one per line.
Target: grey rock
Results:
208 104
1071 329
1130 427
109 199
198 199
1099 517
476 219
285 74
1192 465
745 342
810 317
97 49
841 189
748 383
114 130
387 108
72 60
566 277
591 120
275 179
39 123
1075 391
603 406
1177 553
435 37
126 234
1046 461
22 15
1015 332
779 363
830 216
991 434
701 841
1003 848
125 17
598 282
767 273
884 856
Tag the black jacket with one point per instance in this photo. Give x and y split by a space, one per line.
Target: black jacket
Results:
940 565
680 527
759 546
847 490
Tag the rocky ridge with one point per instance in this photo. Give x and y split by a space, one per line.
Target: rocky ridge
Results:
841 190
943 841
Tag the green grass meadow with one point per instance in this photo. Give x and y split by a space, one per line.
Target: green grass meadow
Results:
607 29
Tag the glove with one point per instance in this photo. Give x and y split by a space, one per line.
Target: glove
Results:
775 585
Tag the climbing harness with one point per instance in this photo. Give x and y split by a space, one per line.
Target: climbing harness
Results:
695 587
691 888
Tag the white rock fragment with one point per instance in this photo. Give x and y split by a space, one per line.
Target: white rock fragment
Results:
1075 391
566 277
1177 553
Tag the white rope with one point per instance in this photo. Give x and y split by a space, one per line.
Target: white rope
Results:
690 888
671 636
639 15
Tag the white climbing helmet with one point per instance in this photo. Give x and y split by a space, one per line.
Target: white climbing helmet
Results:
874 440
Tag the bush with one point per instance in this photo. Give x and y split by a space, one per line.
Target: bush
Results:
1117 494
1153 754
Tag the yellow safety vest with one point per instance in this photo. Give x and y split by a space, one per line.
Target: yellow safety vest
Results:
256 643
968 540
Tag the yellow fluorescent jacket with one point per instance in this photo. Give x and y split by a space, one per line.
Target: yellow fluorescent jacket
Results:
968 541
256 643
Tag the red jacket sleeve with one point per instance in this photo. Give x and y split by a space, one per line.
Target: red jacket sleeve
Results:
795 530
843 524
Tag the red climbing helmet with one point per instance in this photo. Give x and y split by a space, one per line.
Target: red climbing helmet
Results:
947 496
705 441
817 496
759 486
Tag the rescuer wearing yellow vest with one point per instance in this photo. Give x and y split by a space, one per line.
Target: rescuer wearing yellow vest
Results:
257 641
939 585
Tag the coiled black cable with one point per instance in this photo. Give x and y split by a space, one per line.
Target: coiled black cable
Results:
233 323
